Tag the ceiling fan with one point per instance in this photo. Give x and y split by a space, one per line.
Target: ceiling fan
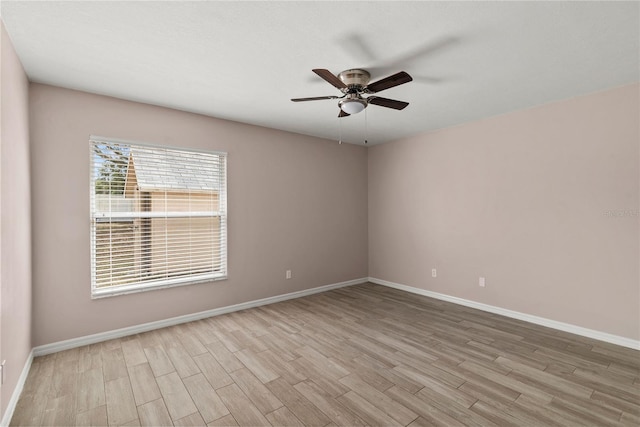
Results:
355 83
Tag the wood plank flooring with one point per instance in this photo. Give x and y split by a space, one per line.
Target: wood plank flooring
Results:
362 355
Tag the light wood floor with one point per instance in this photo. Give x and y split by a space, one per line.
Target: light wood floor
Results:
363 355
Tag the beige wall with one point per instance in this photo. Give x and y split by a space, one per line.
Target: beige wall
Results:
523 199
294 202
15 230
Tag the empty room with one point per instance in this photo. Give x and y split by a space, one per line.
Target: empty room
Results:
319 213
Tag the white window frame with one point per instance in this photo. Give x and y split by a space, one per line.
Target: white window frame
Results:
95 217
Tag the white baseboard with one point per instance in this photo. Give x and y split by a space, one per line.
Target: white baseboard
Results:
566 327
17 391
132 330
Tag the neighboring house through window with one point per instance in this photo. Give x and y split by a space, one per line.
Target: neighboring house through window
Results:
158 216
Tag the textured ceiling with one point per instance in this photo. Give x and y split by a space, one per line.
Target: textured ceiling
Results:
243 61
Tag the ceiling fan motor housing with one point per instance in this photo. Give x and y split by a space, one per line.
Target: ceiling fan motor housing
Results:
355 78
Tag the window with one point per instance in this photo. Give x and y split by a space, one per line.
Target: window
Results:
158 216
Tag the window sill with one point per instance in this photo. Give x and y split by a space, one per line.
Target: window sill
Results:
113 291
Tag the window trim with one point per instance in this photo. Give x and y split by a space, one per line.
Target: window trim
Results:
222 213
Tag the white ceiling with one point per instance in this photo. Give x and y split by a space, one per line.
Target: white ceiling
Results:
243 61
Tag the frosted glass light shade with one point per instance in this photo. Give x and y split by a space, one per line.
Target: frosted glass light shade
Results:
352 106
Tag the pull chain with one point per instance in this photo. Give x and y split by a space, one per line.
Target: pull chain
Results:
339 131
366 127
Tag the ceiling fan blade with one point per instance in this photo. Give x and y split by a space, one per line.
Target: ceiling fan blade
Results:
330 77
355 45
316 98
343 114
389 82
389 103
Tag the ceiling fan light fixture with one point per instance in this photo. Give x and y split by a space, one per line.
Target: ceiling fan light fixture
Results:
353 106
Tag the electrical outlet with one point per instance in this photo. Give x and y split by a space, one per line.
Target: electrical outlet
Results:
434 273
287 274
481 282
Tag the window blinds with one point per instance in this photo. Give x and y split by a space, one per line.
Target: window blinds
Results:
158 216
